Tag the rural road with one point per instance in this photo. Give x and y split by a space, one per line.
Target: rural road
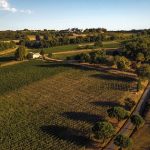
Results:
127 129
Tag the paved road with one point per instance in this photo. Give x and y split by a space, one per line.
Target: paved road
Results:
128 127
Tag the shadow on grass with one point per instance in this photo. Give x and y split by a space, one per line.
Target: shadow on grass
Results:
48 64
123 78
81 116
67 134
6 58
106 104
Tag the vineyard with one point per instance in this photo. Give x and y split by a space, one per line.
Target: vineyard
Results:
52 106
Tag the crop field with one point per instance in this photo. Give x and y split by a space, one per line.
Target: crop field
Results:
50 106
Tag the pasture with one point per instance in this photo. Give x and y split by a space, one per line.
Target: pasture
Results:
53 106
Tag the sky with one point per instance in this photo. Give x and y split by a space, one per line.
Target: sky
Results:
64 14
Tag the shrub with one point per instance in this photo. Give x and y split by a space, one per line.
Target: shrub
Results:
122 141
103 130
117 112
129 104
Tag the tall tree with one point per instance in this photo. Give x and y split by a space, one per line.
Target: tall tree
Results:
122 141
103 130
137 121
21 53
144 72
117 112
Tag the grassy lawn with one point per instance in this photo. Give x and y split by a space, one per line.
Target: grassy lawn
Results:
52 106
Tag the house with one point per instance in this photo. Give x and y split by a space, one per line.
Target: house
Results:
36 55
32 55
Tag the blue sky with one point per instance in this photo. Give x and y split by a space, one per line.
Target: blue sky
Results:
63 14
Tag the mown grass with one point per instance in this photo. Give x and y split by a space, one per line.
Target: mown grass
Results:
53 106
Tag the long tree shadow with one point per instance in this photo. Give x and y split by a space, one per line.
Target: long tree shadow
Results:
58 64
67 134
106 104
123 78
81 116
6 58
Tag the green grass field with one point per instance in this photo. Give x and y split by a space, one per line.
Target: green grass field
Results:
53 106
7 58
59 49
109 44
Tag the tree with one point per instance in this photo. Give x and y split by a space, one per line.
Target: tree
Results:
137 121
103 130
21 53
37 37
139 85
129 104
122 141
122 62
42 53
117 112
144 71
84 57
140 57
98 44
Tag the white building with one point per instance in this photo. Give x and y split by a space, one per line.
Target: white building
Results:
36 55
32 55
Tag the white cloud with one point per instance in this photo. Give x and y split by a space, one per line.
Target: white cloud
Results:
5 6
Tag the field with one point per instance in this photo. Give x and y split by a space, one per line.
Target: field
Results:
58 49
108 44
51 106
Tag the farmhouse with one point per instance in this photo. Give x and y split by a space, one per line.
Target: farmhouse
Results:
32 55
36 55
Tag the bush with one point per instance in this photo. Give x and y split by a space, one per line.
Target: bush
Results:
50 55
30 56
129 104
122 62
144 71
118 112
137 121
21 53
103 130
